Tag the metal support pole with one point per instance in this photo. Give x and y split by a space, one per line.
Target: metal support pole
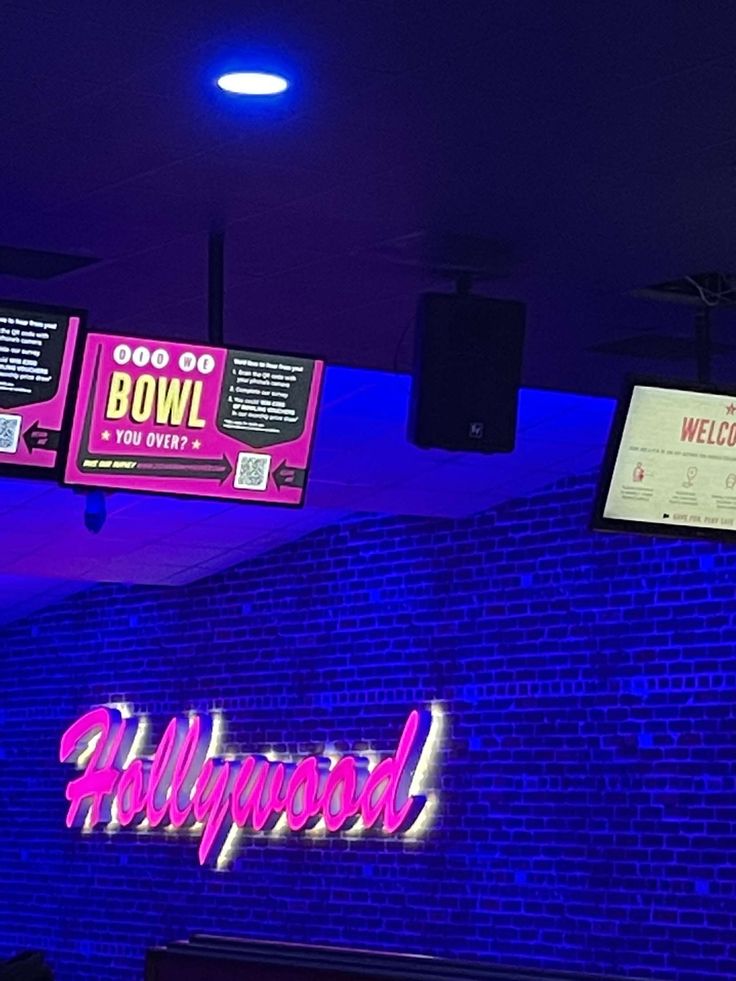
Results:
463 283
216 288
703 344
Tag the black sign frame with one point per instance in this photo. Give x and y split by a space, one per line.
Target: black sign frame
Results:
598 521
83 488
23 471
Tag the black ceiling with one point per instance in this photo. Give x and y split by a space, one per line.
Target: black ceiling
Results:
594 144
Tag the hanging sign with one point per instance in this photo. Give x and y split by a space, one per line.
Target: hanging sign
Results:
172 418
184 783
670 467
36 356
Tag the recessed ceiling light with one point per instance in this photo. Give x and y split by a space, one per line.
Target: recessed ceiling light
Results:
252 83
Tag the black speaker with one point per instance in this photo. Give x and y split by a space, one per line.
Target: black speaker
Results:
467 371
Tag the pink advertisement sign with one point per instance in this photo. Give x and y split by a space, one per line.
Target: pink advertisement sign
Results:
175 418
36 356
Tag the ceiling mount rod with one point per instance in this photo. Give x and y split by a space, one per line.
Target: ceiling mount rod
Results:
216 288
703 345
463 283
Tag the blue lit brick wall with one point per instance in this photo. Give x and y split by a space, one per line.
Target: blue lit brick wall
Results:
588 792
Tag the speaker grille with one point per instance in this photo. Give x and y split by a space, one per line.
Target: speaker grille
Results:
467 373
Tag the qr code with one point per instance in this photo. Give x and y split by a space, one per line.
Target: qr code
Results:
9 433
253 470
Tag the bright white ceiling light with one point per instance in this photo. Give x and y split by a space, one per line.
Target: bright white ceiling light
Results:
252 83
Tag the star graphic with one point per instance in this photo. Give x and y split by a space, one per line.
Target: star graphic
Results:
730 409
196 444
106 435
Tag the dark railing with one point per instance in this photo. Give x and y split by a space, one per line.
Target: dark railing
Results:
204 958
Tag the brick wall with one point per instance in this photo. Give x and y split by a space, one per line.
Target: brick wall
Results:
587 777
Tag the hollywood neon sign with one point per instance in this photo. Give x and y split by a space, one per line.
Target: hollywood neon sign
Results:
185 784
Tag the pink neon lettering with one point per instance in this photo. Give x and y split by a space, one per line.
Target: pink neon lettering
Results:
342 792
188 764
250 783
302 793
129 794
182 783
162 772
269 804
385 795
211 805
107 727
